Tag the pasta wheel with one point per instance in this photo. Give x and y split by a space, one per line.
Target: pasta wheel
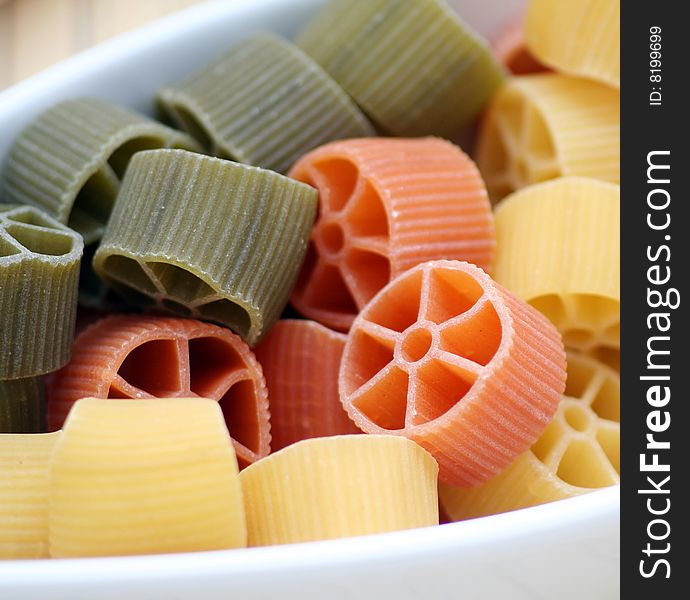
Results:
132 356
24 489
559 249
264 103
510 49
386 205
300 360
39 275
22 406
543 126
579 37
450 359
412 65
340 486
579 451
69 161
137 477
207 238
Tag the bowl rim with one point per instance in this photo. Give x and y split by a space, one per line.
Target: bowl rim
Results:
466 537
470 536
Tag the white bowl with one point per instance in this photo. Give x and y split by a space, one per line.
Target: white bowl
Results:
566 550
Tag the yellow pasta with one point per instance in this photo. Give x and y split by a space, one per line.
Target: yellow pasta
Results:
543 126
579 450
580 37
558 248
339 486
138 476
24 485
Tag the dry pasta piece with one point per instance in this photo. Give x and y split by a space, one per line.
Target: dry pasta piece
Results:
510 49
39 276
340 486
207 238
24 493
264 103
70 159
609 356
138 477
134 356
412 65
579 451
559 249
386 205
300 360
22 405
543 126
579 37
445 356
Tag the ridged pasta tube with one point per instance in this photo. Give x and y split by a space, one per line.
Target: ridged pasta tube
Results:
137 477
579 37
544 126
578 452
386 205
25 493
70 159
39 275
300 360
340 486
448 358
264 103
559 249
412 65
22 406
140 356
208 238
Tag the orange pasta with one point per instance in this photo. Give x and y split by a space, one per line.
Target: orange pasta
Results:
510 48
445 356
134 356
300 360
386 205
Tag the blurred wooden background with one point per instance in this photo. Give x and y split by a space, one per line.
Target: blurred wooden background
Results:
37 33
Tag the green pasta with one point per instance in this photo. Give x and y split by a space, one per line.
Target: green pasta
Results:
411 65
69 161
39 274
22 406
264 103
208 238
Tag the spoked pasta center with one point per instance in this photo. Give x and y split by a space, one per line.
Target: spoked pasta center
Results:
331 238
415 344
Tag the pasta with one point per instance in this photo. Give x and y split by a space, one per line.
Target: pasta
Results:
172 240
579 451
264 103
300 360
22 406
69 161
540 127
559 249
152 357
579 37
510 49
135 477
412 65
385 206
340 486
450 359
39 274
24 490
